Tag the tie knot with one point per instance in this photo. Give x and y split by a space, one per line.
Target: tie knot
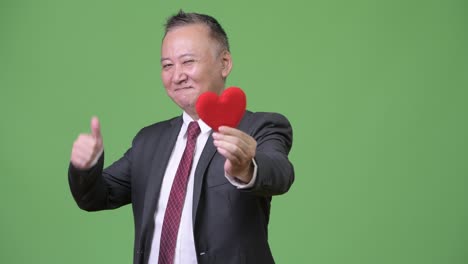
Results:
193 130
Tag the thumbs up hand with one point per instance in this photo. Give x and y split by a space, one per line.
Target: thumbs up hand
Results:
87 148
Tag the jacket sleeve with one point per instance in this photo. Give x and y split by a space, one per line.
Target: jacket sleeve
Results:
97 189
275 173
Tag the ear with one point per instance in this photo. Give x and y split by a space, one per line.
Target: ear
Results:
226 61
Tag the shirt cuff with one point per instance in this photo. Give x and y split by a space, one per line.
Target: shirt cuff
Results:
240 185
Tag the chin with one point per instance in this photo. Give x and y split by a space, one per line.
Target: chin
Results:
186 105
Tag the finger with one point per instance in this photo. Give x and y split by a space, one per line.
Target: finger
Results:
95 127
247 145
225 130
233 148
231 139
231 152
85 139
234 133
87 142
84 151
82 159
79 161
229 155
87 145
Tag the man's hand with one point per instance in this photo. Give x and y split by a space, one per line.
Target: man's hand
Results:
87 147
239 149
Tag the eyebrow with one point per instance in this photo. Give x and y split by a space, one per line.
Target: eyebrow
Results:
183 55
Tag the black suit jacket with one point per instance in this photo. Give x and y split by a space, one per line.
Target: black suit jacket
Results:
230 225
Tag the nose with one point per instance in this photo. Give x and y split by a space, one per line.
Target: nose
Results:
179 75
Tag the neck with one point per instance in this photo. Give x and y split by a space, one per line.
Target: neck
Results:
193 114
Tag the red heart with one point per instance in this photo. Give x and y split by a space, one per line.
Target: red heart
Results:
225 110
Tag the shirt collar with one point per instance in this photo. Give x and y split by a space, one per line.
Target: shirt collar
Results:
204 128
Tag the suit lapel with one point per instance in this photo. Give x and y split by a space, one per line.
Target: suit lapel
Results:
203 162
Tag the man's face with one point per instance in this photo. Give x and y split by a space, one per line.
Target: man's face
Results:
192 63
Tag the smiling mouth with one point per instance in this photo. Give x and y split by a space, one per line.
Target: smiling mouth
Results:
183 88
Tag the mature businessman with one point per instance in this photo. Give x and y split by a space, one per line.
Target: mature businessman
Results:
198 196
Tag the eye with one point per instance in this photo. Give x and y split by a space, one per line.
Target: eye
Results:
189 61
166 66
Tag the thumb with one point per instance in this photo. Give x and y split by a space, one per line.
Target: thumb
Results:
95 127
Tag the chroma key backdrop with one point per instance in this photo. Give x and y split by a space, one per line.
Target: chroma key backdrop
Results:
376 92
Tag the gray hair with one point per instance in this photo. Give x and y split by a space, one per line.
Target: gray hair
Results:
183 19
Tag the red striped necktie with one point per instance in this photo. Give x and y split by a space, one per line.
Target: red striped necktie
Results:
176 200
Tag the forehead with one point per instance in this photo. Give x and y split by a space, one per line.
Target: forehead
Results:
194 37
189 39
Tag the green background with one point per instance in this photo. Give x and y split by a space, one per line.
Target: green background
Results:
375 91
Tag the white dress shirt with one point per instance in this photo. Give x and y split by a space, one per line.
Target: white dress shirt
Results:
185 246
